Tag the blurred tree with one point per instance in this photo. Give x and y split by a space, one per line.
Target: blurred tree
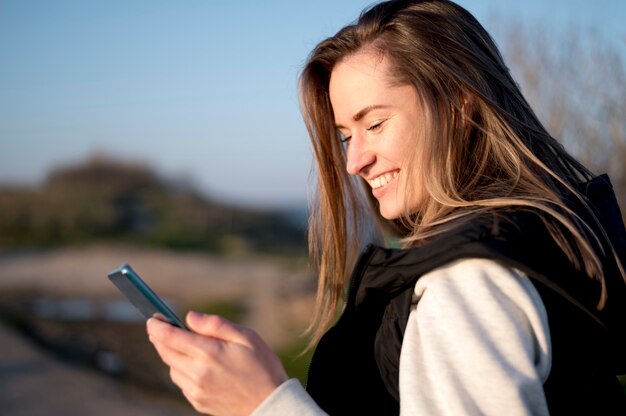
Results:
575 81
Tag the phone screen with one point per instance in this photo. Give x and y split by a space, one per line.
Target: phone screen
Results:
142 296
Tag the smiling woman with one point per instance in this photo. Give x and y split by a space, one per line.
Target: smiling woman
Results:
378 122
508 294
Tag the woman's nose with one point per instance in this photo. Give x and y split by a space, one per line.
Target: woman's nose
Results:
358 156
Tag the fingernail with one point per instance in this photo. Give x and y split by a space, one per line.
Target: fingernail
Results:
193 315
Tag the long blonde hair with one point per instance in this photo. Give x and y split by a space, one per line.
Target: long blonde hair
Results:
486 149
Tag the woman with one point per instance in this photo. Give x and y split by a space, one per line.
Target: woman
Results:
507 294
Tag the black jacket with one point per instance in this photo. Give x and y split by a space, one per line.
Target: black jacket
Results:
355 366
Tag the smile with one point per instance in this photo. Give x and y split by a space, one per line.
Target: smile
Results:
382 180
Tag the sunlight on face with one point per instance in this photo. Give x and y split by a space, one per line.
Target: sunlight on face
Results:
379 123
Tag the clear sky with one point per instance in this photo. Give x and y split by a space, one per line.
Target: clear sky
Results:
200 89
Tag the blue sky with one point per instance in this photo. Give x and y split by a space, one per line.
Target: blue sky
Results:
201 90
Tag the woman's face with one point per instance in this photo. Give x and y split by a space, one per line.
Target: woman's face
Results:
379 121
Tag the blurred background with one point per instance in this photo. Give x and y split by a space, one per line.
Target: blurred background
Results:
167 135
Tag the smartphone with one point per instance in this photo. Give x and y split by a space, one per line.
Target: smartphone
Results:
142 296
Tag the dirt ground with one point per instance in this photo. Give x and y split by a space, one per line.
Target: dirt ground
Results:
277 293
33 383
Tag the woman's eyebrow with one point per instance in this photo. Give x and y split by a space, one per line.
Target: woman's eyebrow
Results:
362 113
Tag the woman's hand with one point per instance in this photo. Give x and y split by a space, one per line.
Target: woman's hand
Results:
221 368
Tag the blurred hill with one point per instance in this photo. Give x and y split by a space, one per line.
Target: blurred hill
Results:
106 200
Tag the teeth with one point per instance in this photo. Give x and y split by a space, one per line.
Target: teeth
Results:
382 180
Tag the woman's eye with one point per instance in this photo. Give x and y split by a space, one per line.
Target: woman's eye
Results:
376 126
343 138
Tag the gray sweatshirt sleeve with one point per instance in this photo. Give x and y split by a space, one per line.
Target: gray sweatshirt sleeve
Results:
477 343
289 399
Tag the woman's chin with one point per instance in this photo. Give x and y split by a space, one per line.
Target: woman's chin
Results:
390 213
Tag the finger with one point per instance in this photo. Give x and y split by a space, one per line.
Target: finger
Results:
185 342
192 392
175 354
183 380
217 327
161 330
168 355
197 386
195 359
190 388
184 370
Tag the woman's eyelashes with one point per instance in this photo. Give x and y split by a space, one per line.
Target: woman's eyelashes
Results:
376 126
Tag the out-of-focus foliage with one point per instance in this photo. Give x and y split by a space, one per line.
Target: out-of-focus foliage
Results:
575 80
107 200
